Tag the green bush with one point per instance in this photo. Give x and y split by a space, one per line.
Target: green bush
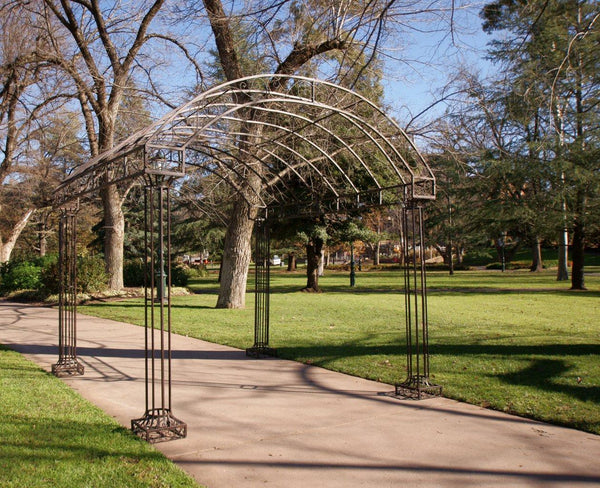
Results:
91 275
180 276
20 276
49 278
133 274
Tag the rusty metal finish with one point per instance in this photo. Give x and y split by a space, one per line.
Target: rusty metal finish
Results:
302 131
158 422
262 291
159 425
68 363
417 383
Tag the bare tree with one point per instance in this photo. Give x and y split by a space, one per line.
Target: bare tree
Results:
101 48
29 91
338 40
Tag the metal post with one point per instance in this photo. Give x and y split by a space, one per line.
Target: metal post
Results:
352 270
158 423
417 380
502 246
67 364
262 291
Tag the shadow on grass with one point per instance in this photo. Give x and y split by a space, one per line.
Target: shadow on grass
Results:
140 305
37 439
540 373
432 290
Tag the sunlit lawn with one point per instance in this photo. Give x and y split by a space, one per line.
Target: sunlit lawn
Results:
515 341
51 437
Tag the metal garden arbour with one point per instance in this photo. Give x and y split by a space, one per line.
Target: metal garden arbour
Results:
311 148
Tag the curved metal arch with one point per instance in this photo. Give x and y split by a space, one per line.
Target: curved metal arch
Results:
305 139
357 122
273 155
324 129
234 87
297 154
288 98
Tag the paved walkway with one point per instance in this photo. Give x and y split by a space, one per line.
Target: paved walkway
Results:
279 423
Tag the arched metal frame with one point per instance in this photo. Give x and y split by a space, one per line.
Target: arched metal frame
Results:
285 131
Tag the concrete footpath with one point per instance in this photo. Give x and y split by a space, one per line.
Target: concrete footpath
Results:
279 423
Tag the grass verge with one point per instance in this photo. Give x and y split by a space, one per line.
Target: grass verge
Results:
52 437
518 342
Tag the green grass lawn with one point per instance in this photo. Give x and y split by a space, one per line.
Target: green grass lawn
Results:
51 437
516 341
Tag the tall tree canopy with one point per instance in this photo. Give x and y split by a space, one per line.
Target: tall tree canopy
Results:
551 60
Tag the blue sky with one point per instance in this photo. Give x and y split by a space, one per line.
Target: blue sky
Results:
429 59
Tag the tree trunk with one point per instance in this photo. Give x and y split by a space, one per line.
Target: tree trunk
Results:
376 253
577 253
449 260
7 247
291 262
322 263
537 263
236 256
313 255
562 273
42 238
114 238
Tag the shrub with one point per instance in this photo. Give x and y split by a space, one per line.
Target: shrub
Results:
20 276
180 275
49 278
91 276
133 274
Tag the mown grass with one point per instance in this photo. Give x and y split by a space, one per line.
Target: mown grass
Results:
51 437
517 341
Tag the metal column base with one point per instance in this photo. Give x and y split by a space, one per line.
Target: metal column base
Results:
261 352
67 367
159 425
418 387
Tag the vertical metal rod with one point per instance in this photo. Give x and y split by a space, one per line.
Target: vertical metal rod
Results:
415 291
146 308
169 284
417 329
424 317
262 290
407 294
67 315
158 423
61 285
152 289
161 271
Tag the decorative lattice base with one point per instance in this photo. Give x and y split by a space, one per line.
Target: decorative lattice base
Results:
67 367
159 425
261 352
418 387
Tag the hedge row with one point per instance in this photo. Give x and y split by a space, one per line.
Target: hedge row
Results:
42 275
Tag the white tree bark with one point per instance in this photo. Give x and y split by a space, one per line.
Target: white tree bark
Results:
6 247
